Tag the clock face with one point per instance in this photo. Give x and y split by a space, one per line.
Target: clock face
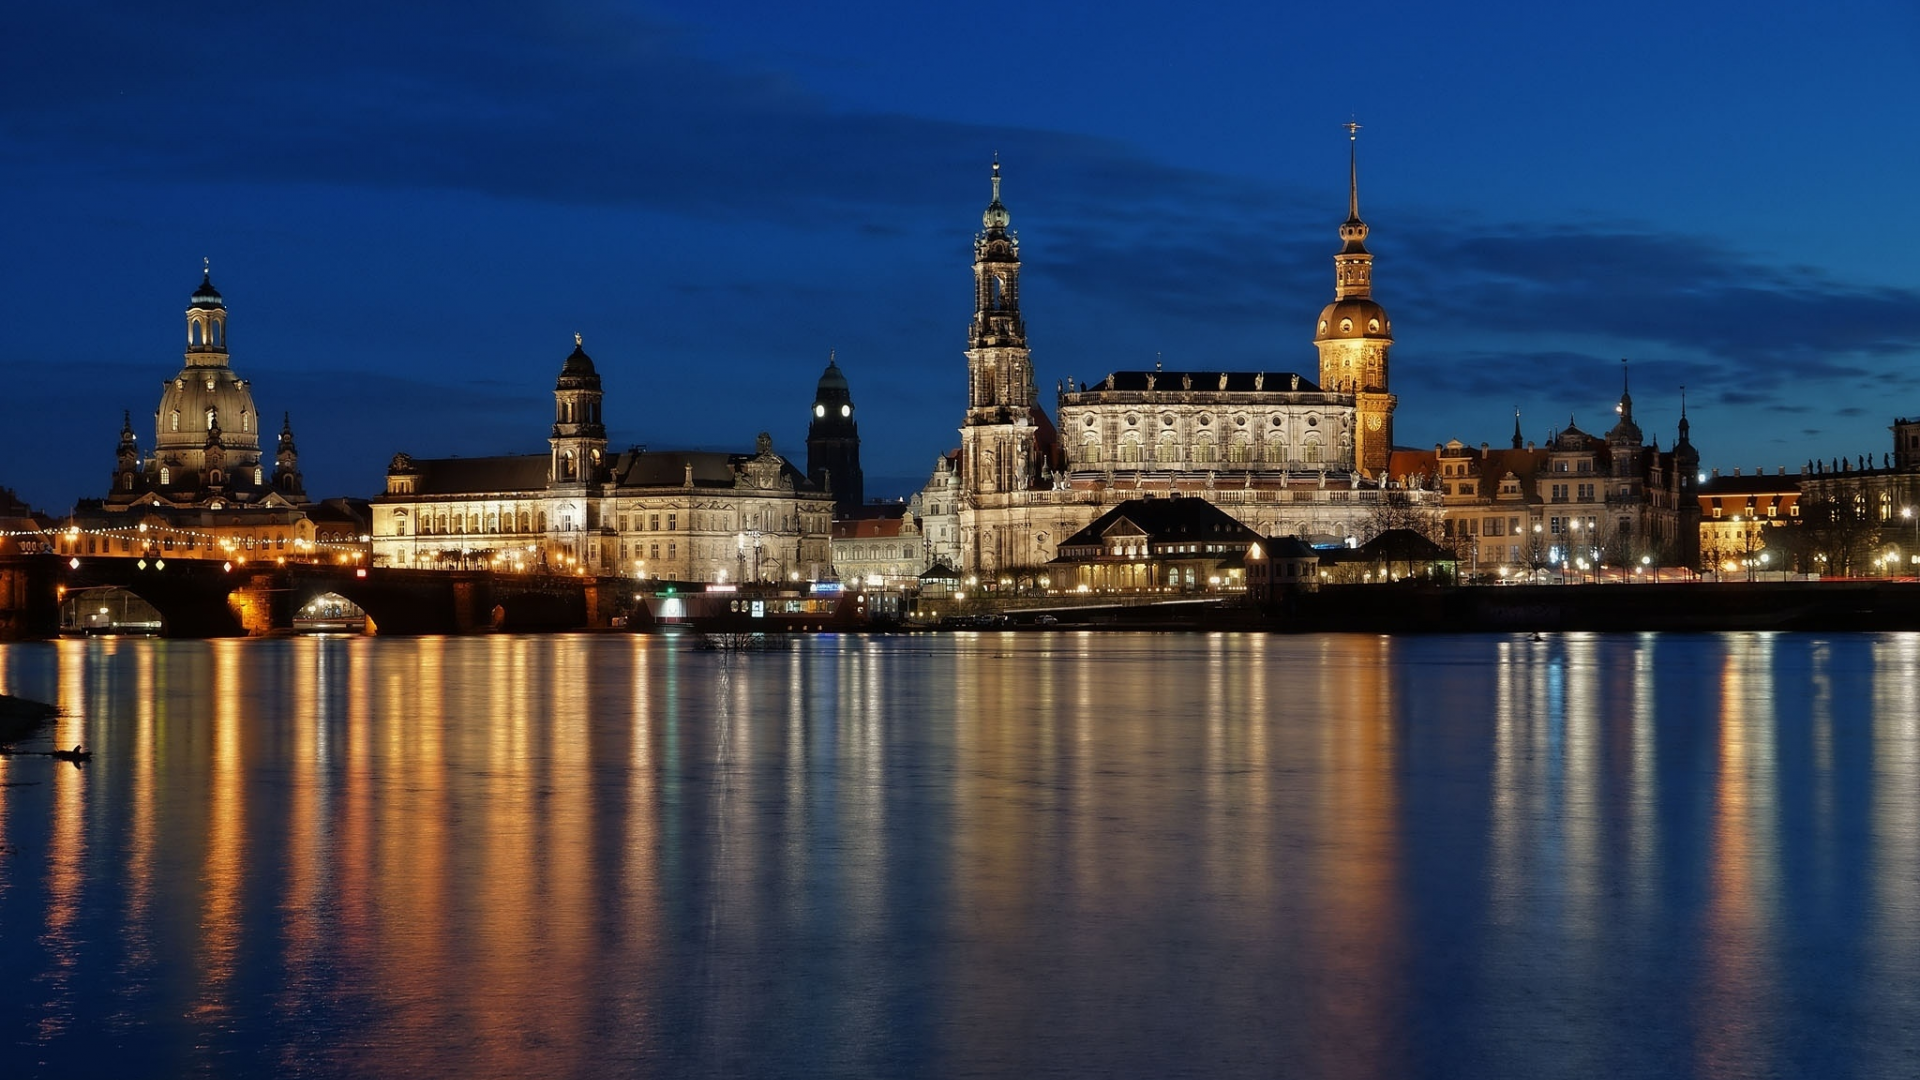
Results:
846 410
819 410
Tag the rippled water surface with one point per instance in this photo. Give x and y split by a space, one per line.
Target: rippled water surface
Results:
967 855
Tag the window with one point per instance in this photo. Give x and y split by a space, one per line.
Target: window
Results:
1203 451
1167 452
259 475
653 550
653 522
673 523
1090 449
166 474
173 420
673 550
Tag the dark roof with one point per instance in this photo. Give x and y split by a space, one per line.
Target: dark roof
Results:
1167 519
1288 547
940 572
1762 484
1403 545
480 475
1271 382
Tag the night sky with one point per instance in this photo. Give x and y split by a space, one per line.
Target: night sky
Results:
412 208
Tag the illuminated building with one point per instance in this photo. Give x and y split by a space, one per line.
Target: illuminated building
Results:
206 432
1609 500
1736 511
1180 545
879 547
686 515
207 490
1276 450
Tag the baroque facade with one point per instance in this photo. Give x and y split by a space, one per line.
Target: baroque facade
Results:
1612 500
207 490
206 432
1281 453
678 515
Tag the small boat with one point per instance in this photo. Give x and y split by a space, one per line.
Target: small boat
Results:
75 755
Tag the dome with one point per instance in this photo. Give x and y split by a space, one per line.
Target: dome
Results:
206 296
1354 317
832 379
578 373
182 420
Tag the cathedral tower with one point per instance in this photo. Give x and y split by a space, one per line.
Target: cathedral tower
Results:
1355 334
206 431
579 439
999 436
833 442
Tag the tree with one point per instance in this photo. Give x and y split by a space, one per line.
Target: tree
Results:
1834 535
1398 509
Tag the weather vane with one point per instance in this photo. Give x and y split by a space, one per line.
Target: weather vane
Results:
1353 130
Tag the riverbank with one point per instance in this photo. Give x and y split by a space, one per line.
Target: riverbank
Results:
22 718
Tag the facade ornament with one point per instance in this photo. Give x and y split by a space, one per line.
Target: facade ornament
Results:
1259 380
1109 380
1223 380
1296 382
1150 379
1186 380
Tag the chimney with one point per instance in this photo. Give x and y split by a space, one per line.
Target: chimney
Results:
1736 470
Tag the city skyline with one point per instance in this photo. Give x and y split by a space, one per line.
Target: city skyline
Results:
410 216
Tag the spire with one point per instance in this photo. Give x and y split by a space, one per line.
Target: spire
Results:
996 217
1518 442
1684 427
1353 231
1353 171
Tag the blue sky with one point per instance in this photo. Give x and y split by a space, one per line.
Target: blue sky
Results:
412 208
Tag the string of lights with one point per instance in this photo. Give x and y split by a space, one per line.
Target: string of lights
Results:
146 533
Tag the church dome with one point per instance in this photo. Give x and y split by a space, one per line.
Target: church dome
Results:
206 296
1354 317
198 399
578 373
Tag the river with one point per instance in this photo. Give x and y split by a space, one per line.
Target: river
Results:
996 854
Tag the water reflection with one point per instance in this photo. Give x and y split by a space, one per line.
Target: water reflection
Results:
989 854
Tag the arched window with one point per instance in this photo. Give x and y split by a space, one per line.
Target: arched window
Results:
1313 453
1277 450
540 522
1168 451
1203 451
1090 449
173 421
166 475
259 476
1130 451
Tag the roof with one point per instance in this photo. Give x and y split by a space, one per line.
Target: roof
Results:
480 475
1166 519
1760 484
1403 545
1288 547
868 528
1239 382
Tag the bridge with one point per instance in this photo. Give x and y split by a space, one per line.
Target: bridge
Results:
202 598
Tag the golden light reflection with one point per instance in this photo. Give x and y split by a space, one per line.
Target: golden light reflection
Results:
223 868
1735 969
1895 855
